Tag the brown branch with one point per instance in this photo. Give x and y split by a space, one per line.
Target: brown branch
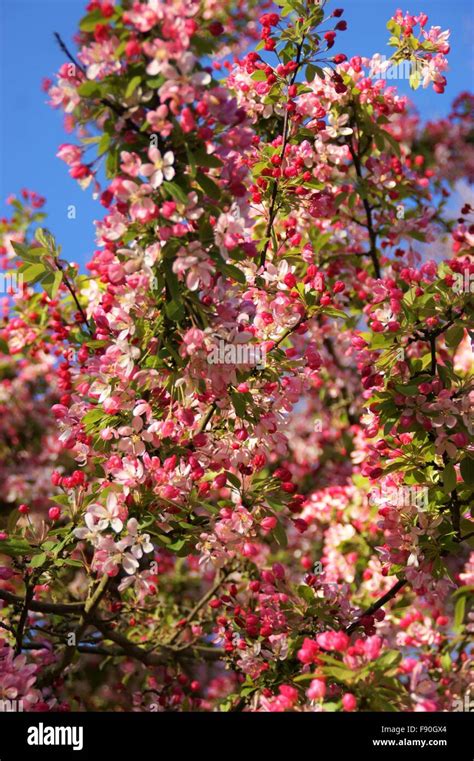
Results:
84 648
368 213
378 604
207 417
116 108
433 355
164 653
68 54
200 604
347 400
128 649
90 605
74 296
285 134
43 607
23 617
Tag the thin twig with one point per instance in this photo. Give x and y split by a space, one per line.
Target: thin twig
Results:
23 617
116 108
433 354
68 54
285 134
200 604
368 212
74 296
89 606
43 607
378 604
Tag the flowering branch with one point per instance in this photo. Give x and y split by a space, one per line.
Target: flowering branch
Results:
377 605
285 133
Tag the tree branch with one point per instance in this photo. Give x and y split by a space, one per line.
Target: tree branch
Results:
368 212
164 653
74 296
89 606
285 133
68 54
378 604
43 607
23 617
200 604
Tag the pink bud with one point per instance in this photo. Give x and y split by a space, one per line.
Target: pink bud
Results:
349 702
317 689
269 523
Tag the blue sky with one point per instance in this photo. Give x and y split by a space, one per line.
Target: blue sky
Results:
30 131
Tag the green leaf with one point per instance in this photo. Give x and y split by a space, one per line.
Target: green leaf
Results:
93 416
388 660
415 80
89 22
51 283
380 703
38 560
88 89
45 239
449 478
417 235
379 141
206 159
179 546
34 272
238 401
13 547
103 144
454 336
61 499
111 163
467 470
279 534
321 241
132 86
306 593
24 252
233 480
70 562
394 143
340 673
174 306
459 612
155 82
209 186
407 390
230 270
332 312
175 191
174 310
